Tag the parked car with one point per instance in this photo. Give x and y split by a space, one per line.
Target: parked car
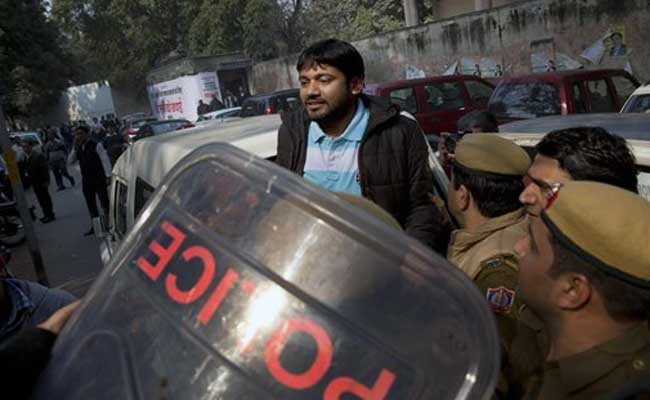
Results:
132 127
154 128
561 93
131 117
219 116
635 128
639 101
273 103
437 102
33 137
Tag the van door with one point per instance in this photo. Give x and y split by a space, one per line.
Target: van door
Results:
601 99
444 104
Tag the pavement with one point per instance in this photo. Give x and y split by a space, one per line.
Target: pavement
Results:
68 256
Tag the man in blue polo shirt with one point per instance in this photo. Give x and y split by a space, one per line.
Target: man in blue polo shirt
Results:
345 141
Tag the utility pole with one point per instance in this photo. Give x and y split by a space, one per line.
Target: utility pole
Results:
411 12
21 202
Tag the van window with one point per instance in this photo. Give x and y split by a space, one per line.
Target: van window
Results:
599 94
624 87
120 208
405 99
579 103
444 96
479 92
292 102
143 192
525 100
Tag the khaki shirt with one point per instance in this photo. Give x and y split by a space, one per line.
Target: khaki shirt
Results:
596 373
486 254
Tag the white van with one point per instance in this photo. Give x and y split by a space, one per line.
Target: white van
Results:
141 168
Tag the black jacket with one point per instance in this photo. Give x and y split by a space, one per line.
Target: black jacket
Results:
393 167
38 170
90 163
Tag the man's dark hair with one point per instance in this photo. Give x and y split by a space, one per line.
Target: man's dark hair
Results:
337 53
82 128
478 119
622 300
592 154
494 195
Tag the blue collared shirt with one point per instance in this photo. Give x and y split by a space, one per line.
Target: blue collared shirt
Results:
332 163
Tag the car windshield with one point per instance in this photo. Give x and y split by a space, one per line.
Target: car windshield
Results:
159 129
638 104
526 100
140 123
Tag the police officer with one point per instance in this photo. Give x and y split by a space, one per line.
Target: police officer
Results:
486 180
585 273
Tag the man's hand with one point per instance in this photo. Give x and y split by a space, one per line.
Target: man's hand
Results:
57 320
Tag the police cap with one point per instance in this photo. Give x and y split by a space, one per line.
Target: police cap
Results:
607 226
492 154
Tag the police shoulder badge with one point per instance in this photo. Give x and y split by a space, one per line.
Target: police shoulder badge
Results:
501 299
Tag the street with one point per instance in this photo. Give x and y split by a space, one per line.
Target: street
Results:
67 255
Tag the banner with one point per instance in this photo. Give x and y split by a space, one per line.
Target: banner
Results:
179 98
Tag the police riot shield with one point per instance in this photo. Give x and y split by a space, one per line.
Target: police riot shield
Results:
241 281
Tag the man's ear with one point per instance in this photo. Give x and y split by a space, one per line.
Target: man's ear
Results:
464 198
356 86
573 292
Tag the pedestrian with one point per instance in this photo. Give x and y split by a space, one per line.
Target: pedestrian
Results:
202 108
38 174
485 184
56 156
345 141
242 94
216 104
578 154
95 172
585 274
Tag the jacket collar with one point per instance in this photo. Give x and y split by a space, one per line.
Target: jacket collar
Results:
381 111
463 239
582 369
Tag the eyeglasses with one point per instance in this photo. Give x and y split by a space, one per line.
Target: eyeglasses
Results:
551 193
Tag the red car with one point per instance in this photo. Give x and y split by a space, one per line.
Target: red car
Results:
437 102
561 93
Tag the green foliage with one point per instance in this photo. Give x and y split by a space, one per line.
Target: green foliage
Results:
33 66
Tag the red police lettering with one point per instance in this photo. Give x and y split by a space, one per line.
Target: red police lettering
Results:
345 384
196 291
164 254
318 368
215 300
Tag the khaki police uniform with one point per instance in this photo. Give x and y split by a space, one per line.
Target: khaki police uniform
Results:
609 228
486 253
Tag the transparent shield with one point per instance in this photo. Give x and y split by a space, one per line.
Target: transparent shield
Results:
241 281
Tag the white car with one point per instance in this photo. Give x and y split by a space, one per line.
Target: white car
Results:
225 115
639 101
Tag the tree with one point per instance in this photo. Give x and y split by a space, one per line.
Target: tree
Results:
33 66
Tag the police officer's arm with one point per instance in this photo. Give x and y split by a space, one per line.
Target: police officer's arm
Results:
497 281
423 221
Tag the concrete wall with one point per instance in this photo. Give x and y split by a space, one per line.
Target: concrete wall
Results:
521 37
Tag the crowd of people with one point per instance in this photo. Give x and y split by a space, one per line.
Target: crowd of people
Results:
557 244
65 145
